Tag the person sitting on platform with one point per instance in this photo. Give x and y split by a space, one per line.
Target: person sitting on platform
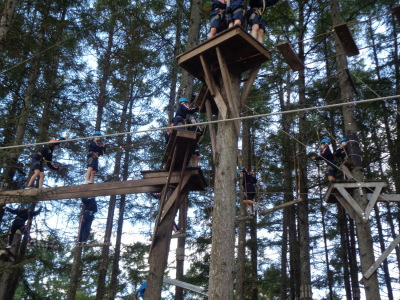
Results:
341 154
326 154
249 188
235 12
218 21
199 130
96 149
44 155
255 17
183 110
140 292
88 210
23 215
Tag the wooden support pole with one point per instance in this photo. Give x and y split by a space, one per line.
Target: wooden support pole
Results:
396 12
346 39
248 85
290 56
384 255
213 135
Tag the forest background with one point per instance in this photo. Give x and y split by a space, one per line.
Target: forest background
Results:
70 67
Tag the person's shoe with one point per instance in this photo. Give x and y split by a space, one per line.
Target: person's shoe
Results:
178 232
90 182
8 247
29 187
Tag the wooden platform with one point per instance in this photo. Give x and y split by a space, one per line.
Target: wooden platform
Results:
240 50
153 182
333 189
179 142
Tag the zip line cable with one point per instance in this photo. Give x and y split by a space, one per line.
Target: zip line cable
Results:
216 121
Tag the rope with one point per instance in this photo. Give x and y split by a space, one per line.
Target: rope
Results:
216 121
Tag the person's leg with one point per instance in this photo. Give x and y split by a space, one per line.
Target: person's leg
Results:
260 35
213 32
33 177
87 221
254 31
41 179
88 174
92 175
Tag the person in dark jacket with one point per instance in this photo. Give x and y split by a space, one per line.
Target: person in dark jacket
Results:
96 149
88 210
255 19
326 154
22 215
235 12
218 20
183 110
248 181
45 155
341 154
200 131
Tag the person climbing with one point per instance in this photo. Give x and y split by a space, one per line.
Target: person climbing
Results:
22 215
341 154
235 12
249 180
96 149
140 292
45 154
183 110
88 210
255 18
200 131
218 20
326 154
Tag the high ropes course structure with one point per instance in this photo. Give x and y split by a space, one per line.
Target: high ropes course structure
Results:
219 64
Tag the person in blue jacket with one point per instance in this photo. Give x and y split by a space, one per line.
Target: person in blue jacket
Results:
96 149
235 12
142 289
88 210
326 154
183 110
255 20
45 155
22 215
218 20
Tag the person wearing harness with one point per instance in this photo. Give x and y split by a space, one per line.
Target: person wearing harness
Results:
96 149
23 215
218 21
326 154
183 110
249 180
44 155
200 131
88 210
341 154
235 12
255 19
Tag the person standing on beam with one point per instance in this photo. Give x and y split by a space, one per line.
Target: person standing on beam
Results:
96 149
88 210
326 154
218 20
235 12
249 180
255 18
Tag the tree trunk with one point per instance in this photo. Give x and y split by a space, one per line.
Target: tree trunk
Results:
344 250
76 273
6 21
180 250
223 238
363 227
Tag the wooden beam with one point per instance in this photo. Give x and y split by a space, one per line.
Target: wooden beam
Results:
248 85
278 207
213 88
153 183
374 198
290 56
213 135
384 255
94 245
186 286
387 197
226 79
396 12
346 39
349 199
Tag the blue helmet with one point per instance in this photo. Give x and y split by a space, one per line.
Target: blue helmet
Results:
342 140
97 132
183 100
326 141
241 169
